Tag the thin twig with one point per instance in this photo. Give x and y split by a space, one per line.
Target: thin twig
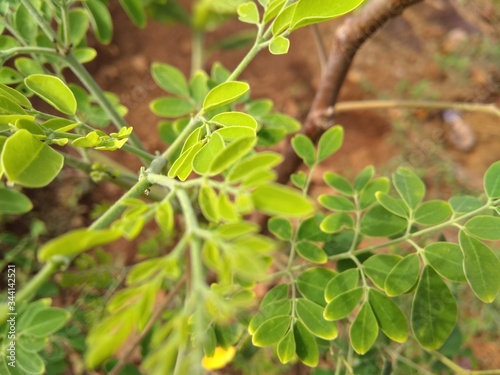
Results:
384 104
320 46
156 315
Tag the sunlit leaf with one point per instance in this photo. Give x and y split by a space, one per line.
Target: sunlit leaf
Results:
53 91
28 162
223 94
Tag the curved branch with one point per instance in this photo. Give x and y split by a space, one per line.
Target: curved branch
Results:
348 39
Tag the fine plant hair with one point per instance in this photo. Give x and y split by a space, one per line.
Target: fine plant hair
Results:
352 276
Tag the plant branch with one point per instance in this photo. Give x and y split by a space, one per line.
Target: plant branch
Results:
156 315
349 37
458 369
384 104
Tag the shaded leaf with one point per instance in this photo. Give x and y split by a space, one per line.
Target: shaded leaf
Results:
378 266
403 275
434 311
364 330
391 319
409 186
311 314
305 345
447 260
312 282
343 304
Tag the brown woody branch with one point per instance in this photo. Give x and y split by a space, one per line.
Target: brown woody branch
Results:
348 39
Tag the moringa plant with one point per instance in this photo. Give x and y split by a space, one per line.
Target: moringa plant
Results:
345 273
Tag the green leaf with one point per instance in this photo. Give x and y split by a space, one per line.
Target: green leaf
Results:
92 139
465 203
378 266
434 311
9 107
198 86
223 94
53 91
396 206
282 22
78 25
46 322
364 330
432 212
227 208
368 194
27 362
135 11
312 283
25 24
193 138
481 267
272 306
207 200
107 336
484 227
248 12
14 202
273 8
336 203
236 132
341 283
403 276
75 242
231 154
272 331
101 20
299 179
262 160
363 178
8 42
304 148
311 252
286 348
447 260
335 222
339 183
389 316
330 142
170 79
85 55
279 45
311 314
281 228
14 96
234 119
9 76
314 11
277 293
275 199
378 222
305 345
28 66
409 186
492 181
171 107
183 166
204 157
28 162
342 305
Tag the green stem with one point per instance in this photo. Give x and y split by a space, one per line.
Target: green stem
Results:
383 104
197 52
65 23
179 141
14 51
459 370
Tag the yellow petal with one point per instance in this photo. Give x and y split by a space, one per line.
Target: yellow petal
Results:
220 358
